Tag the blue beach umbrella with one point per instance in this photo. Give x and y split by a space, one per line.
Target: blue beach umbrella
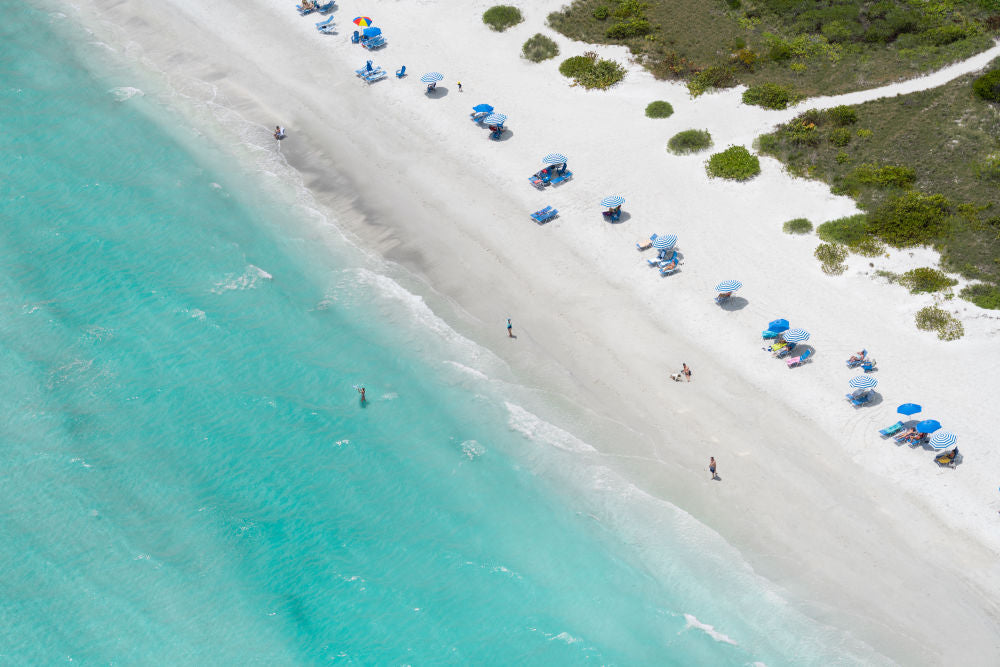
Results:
432 77
777 326
612 201
482 108
796 336
554 158
371 32
495 119
665 242
728 286
928 426
908 409
942 440
864 382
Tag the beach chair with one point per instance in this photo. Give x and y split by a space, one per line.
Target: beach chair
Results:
323 26
431 86
889 431
356 37
562 177
401 72
478 116
768 335
496 132
854 363
537 181
377 75
372 43
669 267
305 10
324 9
859 398
948 459
868 365
774 347
645 245
801 359
328 29
781 352
544 215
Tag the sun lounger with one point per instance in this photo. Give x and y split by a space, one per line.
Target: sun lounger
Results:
305 10
544 215
562 177
868 365
854 363
775 346
645 245
795 361
669 267
323 26
323 9
782 351
376 42
401 72
496 133
891 430
537 182
949 459
328 29
478 116
858 400
769 335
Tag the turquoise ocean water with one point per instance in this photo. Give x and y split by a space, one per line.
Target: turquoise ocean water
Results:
189 476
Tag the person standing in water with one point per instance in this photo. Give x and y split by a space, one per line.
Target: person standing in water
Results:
279 132
361 390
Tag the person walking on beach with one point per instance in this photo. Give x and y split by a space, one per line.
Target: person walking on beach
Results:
686 372
510 334
279 132
459 86
711 467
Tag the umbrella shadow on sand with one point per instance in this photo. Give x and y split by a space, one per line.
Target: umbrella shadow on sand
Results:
622 218
876 399
734 303
439 91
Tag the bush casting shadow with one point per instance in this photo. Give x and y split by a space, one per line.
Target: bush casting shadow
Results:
501 17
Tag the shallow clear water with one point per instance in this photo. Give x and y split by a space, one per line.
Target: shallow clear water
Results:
190 477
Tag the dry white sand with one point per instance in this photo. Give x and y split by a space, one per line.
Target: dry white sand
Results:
862 534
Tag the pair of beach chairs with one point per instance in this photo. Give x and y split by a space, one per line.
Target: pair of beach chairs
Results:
544 215
549 177
371 73
666 265
859 398
372 43
866 363
613 214
315 7
799 360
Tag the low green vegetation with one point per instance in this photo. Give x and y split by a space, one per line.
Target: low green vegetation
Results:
769 96
797 226
987 86
924 168
689 141
926 279
735 163
539 48
983 295
811 46
501 17
947 326
831 257
590 71
659 109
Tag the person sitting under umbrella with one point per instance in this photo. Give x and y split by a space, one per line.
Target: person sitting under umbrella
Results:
912 435
948 458
613 211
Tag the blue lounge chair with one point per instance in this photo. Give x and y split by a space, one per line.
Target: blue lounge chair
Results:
356 37
323 9
305 10
496 131
323 26
373 43
431 86
401 72
769 335
891 430
562 175
647 244
949 458
544 215
859 399
854 363
537 181
376 75
801 359
781 352
669 267
868 365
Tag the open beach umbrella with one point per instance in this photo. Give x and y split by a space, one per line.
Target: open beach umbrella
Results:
495 119
864 382
942 440
728 286
665 242
363 21
483 108
928 426
908 409
432 77
612 201
371 32
554 158
795 335
777 326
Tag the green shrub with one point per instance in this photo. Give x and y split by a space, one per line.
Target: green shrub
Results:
659 109
988 169
832 257
868 246
840 136
913 218
768 144
842 116
944 323
601 13
848 231
864 133
629 29
576 66
603 75
716 76
768 95
988 86
803 133
842 158
689 141
797 226
983 295
925 279
884 176
630 9
735 163
501 17
539 48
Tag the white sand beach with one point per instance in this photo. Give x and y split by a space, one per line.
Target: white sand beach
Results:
862 534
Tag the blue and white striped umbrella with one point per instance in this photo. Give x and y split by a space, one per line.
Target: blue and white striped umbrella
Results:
863 382
795 336
943 440
495 119
728 286
554 158
431 77
612 201
665 242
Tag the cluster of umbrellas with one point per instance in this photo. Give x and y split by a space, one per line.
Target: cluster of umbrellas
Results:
780 327
941 440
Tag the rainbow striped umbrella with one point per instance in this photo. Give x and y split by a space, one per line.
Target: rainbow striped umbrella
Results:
363 21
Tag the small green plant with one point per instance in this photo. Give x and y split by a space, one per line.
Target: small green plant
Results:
576 66
842 116
890 277
947 326
797 226
848 231
735 163
913 218
591 72
864 133
868 246
601 13
831 257
768 95
803 132
884 176
842 157
689 141
988 169
987 86
983 295
501 17
716 76
659 109
539 48
840 136
629 29
925 279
